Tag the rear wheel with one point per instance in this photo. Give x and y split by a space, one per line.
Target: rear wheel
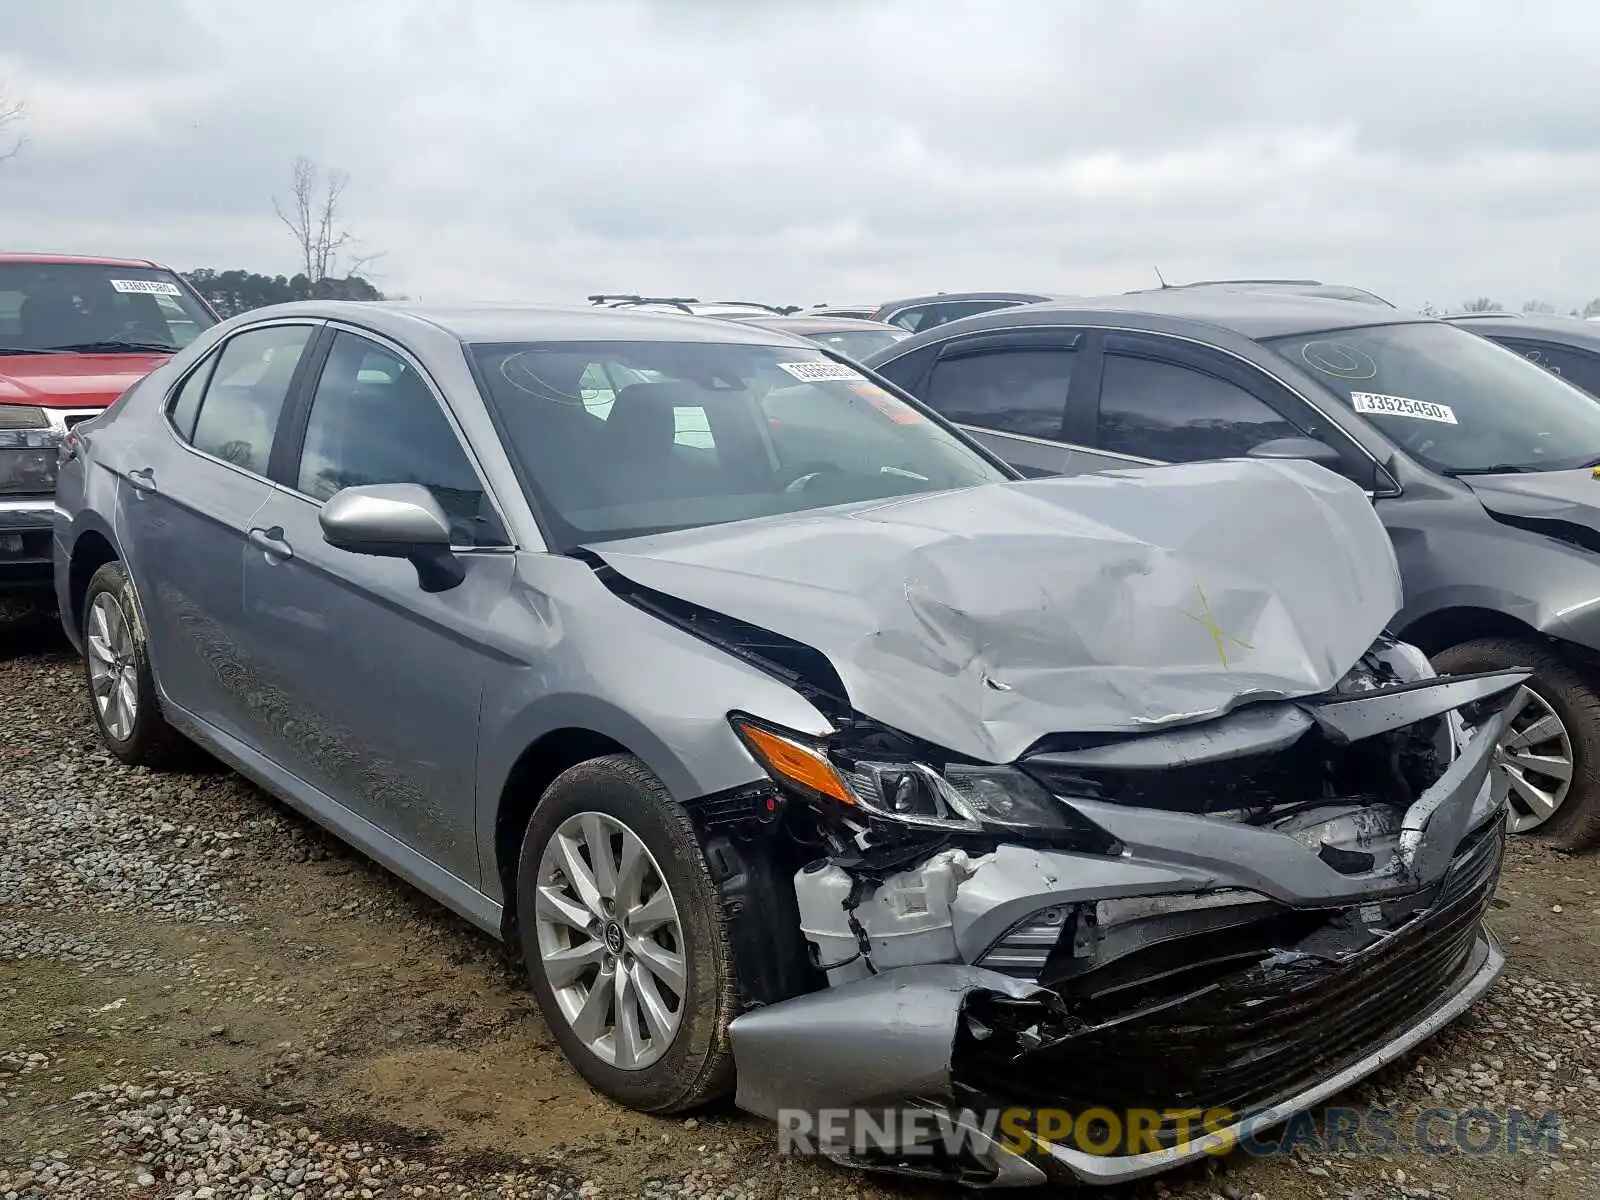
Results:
624 938
117 666
1551 753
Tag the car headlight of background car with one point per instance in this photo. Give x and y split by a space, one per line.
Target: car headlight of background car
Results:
28 450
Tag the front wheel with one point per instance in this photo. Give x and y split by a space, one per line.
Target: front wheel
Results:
624 938
1551 753
117 666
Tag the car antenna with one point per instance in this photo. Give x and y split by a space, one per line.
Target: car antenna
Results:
1164 284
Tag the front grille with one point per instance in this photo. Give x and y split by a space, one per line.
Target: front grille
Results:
1257 1036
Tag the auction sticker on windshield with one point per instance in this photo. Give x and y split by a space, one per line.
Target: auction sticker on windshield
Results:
147 287
1400 406
821 372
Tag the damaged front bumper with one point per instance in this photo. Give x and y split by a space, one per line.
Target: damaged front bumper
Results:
1206 965
887 1041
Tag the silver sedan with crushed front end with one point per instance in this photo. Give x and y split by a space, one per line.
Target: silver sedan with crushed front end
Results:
799 748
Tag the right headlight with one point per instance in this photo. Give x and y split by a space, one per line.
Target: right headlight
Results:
28 450
953 797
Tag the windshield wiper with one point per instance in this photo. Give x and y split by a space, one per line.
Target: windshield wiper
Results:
1496 469
29 350
111 345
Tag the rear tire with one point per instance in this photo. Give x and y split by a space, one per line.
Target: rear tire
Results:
1561 692
606 801
122 689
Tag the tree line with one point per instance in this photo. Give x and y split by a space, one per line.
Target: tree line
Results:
234 292
1532 307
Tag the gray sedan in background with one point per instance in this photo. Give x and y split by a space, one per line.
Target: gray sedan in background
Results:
799 749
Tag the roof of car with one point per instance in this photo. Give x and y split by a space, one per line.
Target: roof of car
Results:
533 323
957 297
807 323
1291 287
1546 325
88 260
1255 315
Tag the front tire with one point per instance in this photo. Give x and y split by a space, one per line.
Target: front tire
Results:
1551 754
122 689
624 938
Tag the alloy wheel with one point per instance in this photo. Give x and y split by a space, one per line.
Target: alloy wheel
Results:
1536 755
113 671
610 941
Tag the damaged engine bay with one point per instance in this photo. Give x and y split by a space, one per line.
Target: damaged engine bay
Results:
1223 915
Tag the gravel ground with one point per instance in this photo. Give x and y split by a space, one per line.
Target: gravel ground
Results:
201 996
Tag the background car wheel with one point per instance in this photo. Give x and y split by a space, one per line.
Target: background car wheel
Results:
624 938
1552 751
122 690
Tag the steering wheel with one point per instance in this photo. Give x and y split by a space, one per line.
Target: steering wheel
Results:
799 478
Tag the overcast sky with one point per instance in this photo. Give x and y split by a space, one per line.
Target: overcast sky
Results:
825 150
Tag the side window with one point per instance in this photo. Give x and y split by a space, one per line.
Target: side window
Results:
944 313
242 403
375 420
1577 368
185 406
1010 391
691 427
1159 410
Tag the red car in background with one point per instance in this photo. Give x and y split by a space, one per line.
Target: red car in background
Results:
75 333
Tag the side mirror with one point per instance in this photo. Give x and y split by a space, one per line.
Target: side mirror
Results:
1299 447
395 520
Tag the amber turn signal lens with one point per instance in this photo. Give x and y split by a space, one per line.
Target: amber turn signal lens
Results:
794 763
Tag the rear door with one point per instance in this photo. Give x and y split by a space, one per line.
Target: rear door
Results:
1010 391
198 479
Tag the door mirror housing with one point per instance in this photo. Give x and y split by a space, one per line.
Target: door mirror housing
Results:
394 520
1300 447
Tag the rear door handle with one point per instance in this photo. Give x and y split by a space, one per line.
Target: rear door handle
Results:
143 480
270 542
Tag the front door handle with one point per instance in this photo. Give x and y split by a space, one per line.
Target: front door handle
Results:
270 542
143 480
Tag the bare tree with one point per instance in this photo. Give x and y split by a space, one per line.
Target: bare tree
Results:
1483 304
11 114
316 220
1538 306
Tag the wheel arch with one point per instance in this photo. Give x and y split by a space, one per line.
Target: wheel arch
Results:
92 549
1445 627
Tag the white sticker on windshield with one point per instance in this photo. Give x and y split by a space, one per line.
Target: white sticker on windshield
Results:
822 372
146 287
1399 406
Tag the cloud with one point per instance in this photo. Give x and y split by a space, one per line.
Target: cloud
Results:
539 149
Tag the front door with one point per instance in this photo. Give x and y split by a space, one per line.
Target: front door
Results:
195 484
373 684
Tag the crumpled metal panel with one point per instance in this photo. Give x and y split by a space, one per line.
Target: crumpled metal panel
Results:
983 619
878 1040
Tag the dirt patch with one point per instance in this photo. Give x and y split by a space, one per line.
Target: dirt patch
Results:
190 973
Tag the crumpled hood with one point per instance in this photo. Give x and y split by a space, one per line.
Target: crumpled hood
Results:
983 619
1572 496
71 380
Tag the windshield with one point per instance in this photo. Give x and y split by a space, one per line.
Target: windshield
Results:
858 343
1454 401
618 439
93 308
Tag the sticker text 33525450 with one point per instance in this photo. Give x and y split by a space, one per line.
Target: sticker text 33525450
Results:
1380 405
